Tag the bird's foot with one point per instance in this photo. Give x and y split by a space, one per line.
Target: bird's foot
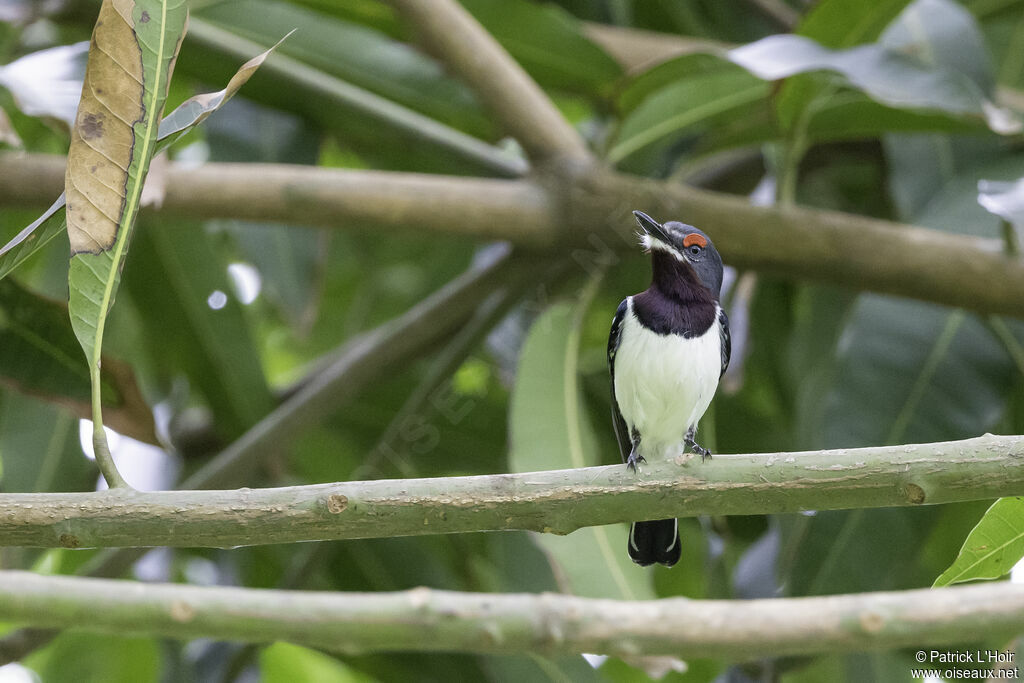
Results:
704 453
697 448
633 460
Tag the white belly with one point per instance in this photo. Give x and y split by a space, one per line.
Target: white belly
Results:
664 383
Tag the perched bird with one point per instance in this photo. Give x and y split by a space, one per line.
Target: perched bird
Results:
669 346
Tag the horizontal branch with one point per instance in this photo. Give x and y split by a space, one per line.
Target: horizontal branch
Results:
592 210
436 621
558 501
481 208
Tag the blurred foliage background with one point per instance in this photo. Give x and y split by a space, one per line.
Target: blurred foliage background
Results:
218 320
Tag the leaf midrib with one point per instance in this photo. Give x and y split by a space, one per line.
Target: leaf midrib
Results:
133 196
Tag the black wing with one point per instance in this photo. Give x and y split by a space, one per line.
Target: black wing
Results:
621 430
723 320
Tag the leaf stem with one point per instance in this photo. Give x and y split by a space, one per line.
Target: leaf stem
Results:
104 459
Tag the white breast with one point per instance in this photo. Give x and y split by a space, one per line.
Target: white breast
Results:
664 383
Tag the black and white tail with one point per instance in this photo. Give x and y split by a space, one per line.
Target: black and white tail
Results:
657 541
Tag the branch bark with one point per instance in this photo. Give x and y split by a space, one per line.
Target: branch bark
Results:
557 501
511 95
591 209
428 620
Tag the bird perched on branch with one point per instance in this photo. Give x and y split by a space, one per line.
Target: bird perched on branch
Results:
669 346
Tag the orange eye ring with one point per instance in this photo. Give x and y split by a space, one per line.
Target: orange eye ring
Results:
693 238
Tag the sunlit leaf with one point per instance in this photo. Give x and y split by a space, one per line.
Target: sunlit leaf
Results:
887 76
687 105
47 82
992 547
97 657
550 430
1004 199
287 663
195 110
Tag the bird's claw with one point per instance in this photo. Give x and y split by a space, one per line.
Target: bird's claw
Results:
633 460
704 453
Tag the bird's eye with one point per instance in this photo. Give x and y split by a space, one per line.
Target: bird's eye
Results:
694 250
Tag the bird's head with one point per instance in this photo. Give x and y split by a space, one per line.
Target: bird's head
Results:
690 247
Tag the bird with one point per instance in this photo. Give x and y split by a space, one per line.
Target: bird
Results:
667 350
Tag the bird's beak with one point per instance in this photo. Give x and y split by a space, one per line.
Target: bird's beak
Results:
651 227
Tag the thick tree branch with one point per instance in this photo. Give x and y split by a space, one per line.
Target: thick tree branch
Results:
557 501
437 621
512 96
592 209
475 207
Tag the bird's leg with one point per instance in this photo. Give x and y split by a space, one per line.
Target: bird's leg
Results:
634 458
691 442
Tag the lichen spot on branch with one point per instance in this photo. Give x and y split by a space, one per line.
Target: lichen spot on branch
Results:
336 503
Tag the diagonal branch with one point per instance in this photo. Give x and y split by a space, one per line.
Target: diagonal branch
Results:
428 620
336 104
558 501
341 378
512 96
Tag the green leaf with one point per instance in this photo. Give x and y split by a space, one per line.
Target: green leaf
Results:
114 138
195 110
845 23
96 657
885 75
992 547
549 429
40 449
186 116
174 271
34 237
714 97
287 663
549 43
112 142
40 356
938 36
357 55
